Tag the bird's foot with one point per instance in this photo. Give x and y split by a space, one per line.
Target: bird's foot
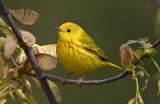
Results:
78 81
62 80
65 77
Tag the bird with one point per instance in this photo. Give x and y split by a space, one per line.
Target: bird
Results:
78 52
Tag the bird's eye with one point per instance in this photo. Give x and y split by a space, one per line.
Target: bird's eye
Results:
68 30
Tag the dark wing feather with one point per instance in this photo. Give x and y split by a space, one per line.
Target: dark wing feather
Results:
99 54
88 44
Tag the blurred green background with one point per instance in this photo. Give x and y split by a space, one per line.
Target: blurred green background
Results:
111 23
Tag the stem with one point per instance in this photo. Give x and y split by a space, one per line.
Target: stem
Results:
137 87
138 93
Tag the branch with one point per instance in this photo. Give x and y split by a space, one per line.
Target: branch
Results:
97 82
5 13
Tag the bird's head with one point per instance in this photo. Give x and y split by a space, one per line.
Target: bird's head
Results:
69 31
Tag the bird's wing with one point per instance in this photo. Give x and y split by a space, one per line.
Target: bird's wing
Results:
88 44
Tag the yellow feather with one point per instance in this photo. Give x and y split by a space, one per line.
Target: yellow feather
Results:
78 52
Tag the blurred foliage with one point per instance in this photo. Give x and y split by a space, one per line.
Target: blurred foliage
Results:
14 63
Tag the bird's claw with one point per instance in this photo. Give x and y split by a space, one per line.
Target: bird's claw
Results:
64 77
62 80
79 81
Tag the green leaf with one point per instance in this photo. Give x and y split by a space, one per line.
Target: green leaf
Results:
138 99
138 53
4 70
2 23
4 27
56 91
140 68
145 86
25 97
138 93
155 63
28 86
36 81
2 41
145 47
21 58
20 94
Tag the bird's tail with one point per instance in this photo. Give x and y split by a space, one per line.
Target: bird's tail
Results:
109 64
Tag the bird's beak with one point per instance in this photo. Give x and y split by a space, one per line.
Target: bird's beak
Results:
57 28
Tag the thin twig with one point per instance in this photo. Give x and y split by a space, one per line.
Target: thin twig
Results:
86 82
97 82
5 13
14 62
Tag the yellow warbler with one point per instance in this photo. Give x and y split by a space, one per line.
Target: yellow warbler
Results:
77 51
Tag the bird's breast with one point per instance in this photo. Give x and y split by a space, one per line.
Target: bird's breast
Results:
74 58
